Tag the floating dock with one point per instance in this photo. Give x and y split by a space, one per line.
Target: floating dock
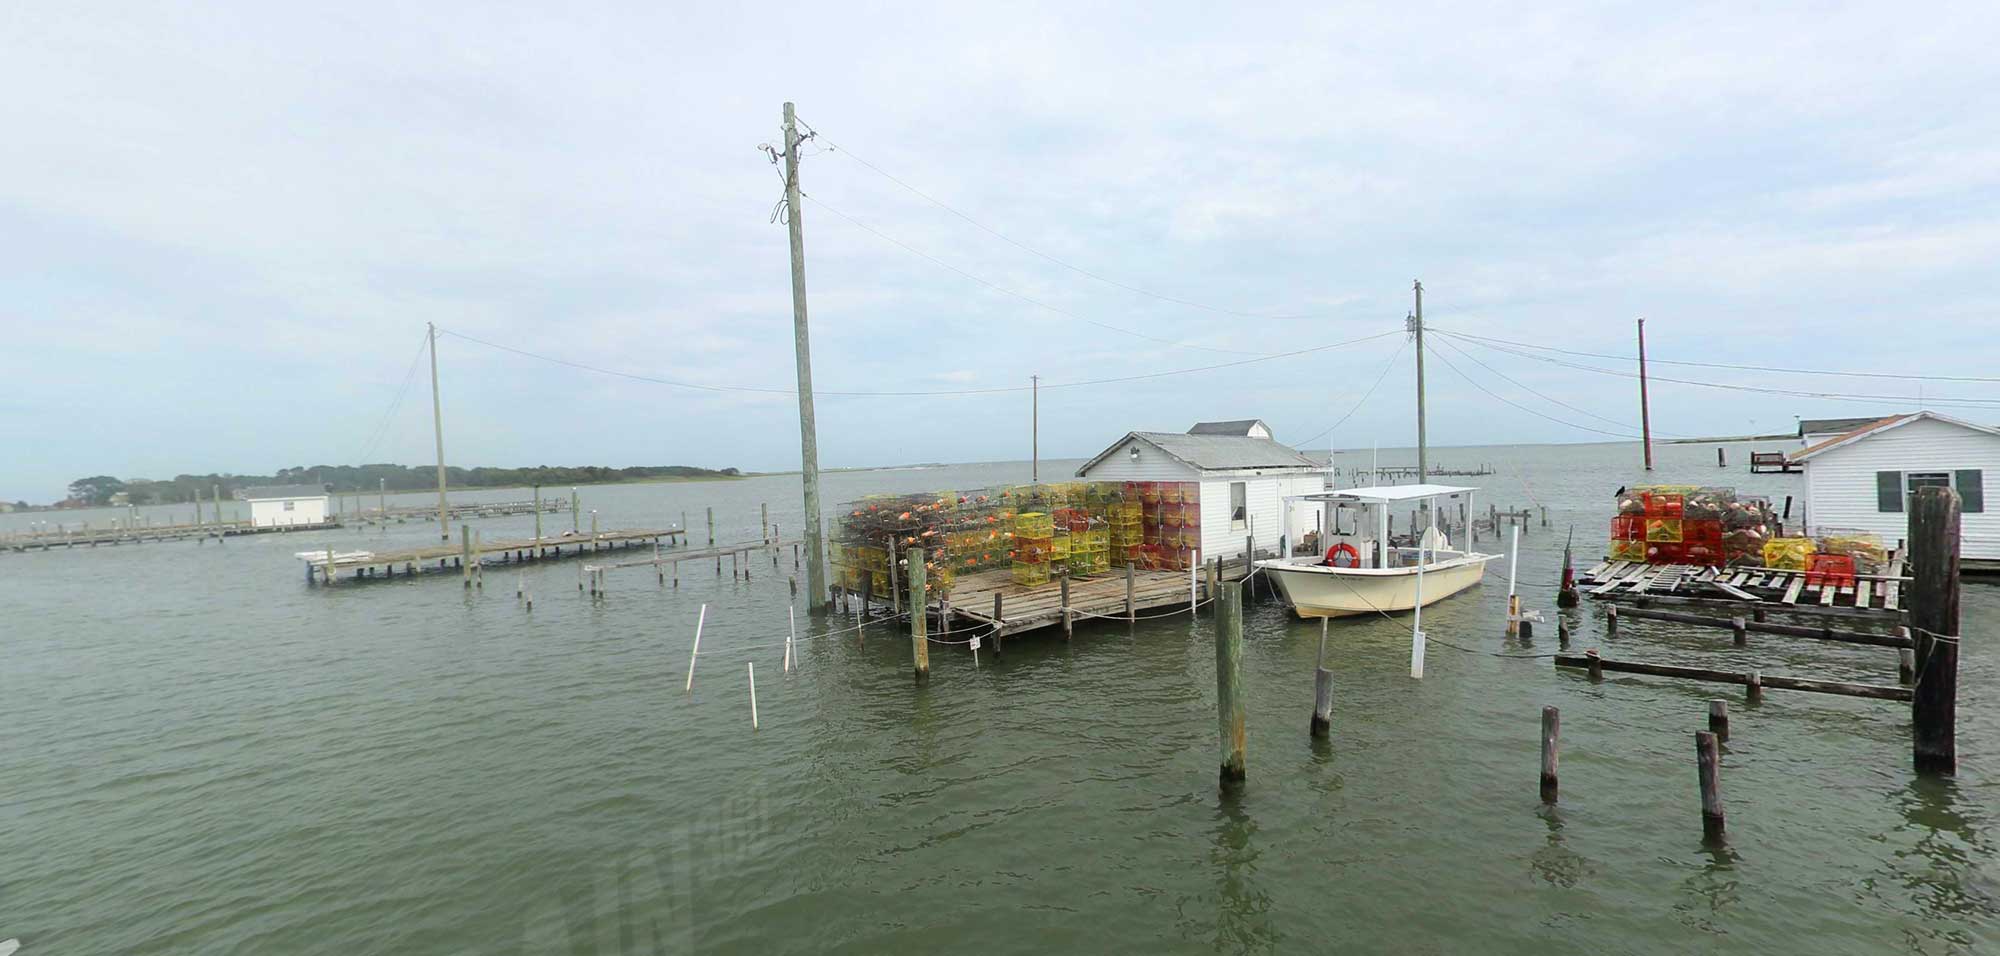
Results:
991 600
1757 588
493 509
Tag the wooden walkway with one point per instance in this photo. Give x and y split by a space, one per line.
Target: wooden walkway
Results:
1872 595
366 565
971 600
111 537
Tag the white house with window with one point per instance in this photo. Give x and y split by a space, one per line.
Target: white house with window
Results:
1244 475
1862 479
277 506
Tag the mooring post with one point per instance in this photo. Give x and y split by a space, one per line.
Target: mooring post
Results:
464 551
1130 615
711 541
997 622
1611 621
1718 718
753 690
1551 747
920 648
1596 664
1739 631
867 592
1067 626
1906 659
764 522
1708 770
1322 718
1933 607
1229 684
1753 688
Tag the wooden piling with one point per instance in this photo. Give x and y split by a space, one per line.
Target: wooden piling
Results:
1720 460
1739 631
1229 684
1551 747
1718 718
1708 772
1753 688
998 622
1130 612
696 650
711 541
1933 603
920 648
1595 663
1906 665
1322 717
464 550
753 693
1611 621
1068 625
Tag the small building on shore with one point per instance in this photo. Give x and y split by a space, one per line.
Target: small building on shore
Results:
277 506
1243 473
1862 479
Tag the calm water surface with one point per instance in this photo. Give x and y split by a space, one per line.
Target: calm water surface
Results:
202 754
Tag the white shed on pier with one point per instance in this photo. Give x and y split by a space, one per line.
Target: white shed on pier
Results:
276 506
1862 479
1244 474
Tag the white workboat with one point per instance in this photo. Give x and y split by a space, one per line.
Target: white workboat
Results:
1360 572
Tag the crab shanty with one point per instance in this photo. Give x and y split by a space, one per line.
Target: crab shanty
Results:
1156 519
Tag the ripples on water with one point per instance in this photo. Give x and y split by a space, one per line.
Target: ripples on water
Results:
203 755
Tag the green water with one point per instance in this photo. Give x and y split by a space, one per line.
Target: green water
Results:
204 755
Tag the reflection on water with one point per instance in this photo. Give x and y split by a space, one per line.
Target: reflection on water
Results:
1555 862
1242 908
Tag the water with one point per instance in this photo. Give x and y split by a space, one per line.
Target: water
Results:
204 755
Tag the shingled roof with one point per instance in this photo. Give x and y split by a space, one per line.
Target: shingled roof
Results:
1213 452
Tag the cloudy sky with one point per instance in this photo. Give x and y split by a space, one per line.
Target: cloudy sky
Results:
224 228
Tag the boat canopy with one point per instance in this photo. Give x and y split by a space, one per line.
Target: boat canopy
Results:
1386 493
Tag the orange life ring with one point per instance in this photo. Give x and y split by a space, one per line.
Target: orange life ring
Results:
1333 553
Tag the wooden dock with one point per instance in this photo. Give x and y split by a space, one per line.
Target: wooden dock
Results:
112 537
1027 608
1758 588
491 509
368 565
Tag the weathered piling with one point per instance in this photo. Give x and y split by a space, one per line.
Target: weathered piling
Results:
1611 621
1718 718
1934 600
1067 622
464 553
1322 718
920 648
998 625
1739 632
1721 460
1130 613
711 541
753 693
1229 684
1708 772
1551 747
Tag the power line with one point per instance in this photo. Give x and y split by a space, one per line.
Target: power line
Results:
1003 290
1468 356
1986 403
1475 384
770 390
382 427
1079 270
1364 396
1723 365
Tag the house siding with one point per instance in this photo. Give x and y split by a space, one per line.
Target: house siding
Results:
1153 465
1840 482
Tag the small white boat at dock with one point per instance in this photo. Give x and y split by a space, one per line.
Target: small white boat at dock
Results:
1361 572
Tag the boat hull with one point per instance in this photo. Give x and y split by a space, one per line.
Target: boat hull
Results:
1317 591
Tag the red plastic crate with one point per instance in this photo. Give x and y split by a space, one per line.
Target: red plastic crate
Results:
1666 552
1835 570
1628 527
1701 554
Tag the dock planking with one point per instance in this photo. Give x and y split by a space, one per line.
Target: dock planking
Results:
1878 595
1027 608
441 556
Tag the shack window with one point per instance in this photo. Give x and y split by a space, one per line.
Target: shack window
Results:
1925 479
1239 511
288 505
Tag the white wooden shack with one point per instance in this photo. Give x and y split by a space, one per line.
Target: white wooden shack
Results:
1244 474
275 506
1862 479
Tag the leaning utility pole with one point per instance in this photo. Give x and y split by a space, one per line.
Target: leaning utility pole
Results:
816 594
1417 326
437 427
1645 408
1035 426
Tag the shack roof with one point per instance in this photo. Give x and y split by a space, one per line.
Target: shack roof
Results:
1381 493
1835 426
1244 426
271 492
1884 424
1212 452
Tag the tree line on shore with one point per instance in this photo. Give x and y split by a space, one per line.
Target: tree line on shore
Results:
101 490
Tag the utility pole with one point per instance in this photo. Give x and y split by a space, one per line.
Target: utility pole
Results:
1417 326
1035 427
437 427
816 593
1645 407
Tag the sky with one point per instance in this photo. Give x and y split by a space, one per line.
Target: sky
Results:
224 227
